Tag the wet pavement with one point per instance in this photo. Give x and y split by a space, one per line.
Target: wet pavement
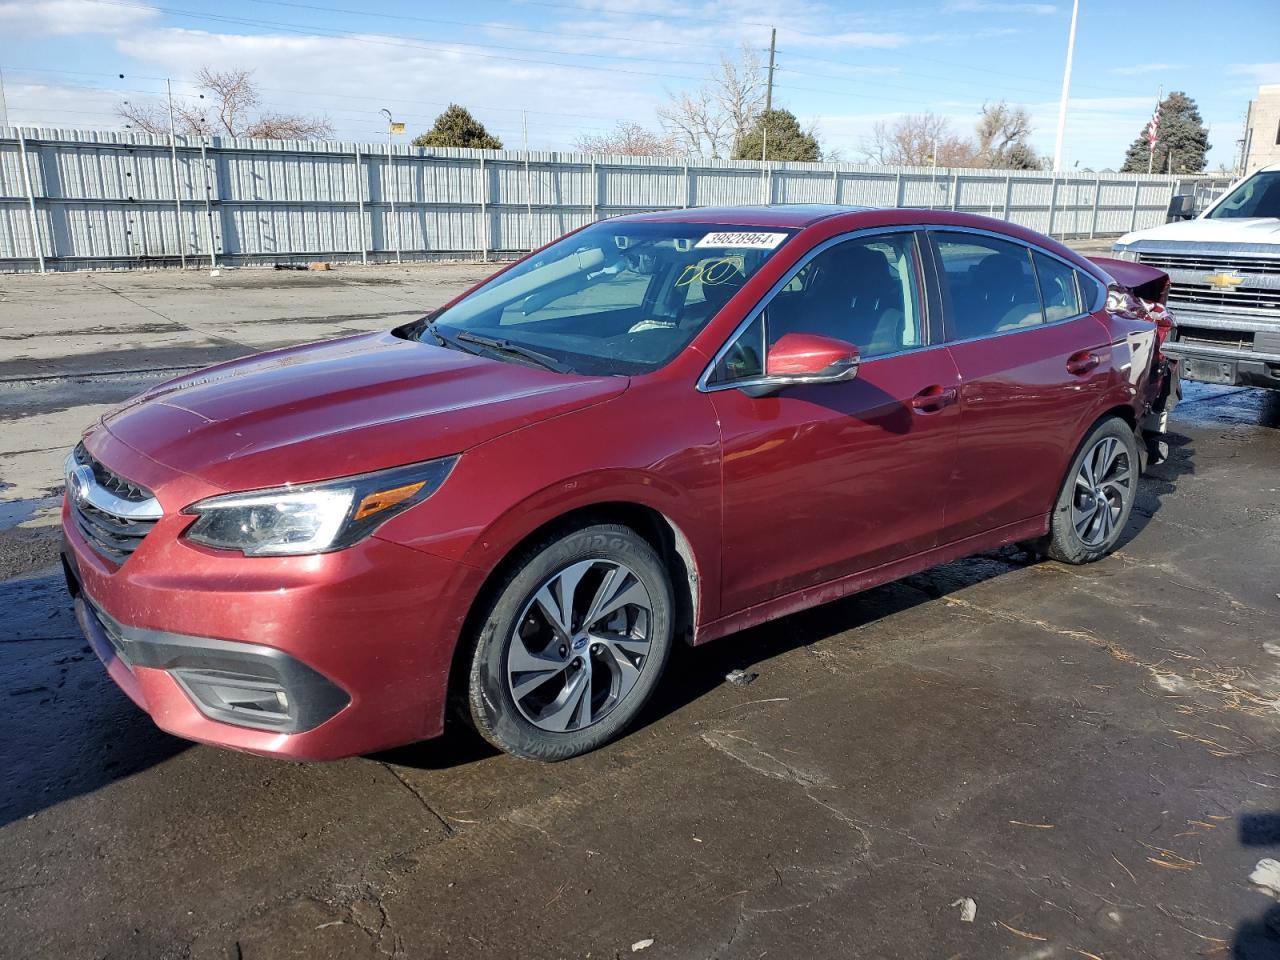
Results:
1088 754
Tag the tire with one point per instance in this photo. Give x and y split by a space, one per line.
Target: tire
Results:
1091 510
548 682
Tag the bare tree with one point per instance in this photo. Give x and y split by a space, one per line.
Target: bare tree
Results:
711 119
288 126
627 139
1001 138
226 106
917 139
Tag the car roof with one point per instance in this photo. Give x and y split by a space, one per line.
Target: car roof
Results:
801 215
778 215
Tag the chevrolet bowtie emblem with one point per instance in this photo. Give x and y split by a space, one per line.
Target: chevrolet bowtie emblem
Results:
1223 280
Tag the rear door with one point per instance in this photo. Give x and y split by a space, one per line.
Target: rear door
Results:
1032 362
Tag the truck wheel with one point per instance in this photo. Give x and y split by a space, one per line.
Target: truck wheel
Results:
573 644
1097 495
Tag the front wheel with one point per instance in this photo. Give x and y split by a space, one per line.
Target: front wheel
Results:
1097 496
573 644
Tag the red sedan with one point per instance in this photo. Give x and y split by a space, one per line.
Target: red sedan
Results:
660 427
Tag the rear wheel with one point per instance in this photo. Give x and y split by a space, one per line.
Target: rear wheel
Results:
573 644
1097 496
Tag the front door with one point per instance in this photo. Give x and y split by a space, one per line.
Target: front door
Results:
826 480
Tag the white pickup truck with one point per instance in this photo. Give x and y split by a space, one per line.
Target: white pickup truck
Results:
1224 291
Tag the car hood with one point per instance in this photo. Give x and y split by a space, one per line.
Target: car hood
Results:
339 408
1242 230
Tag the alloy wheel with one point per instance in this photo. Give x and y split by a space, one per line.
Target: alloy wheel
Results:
579 645
1103 485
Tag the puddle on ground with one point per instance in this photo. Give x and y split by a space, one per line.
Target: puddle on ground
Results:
15 512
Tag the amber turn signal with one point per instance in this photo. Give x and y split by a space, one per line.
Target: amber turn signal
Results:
382 499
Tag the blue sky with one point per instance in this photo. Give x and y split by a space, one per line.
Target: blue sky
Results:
578 66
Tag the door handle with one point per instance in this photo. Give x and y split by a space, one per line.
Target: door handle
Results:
934 398
1082 362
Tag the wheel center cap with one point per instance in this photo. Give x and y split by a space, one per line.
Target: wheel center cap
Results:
580 642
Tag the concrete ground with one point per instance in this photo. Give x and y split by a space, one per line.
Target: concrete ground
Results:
1087 754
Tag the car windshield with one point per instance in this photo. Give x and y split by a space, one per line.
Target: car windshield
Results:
618 298
1259 196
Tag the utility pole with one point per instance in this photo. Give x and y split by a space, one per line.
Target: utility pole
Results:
177 188
392 187
1066 87
528 183
4 107
773 49
1151 141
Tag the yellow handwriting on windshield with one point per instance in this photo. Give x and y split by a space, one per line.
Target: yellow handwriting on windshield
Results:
710 272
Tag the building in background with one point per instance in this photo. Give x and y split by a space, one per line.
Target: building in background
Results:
1262 129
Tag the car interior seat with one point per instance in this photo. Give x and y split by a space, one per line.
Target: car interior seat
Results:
1001 296
855 297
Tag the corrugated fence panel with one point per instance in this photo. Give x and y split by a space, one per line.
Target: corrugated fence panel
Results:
100 198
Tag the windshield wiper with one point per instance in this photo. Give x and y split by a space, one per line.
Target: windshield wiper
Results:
506 347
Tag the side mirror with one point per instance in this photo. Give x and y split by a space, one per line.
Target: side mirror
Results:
1181 207
806 358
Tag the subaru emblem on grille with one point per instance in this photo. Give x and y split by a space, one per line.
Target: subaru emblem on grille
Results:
80 481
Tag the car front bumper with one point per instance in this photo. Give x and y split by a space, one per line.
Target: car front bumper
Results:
308 658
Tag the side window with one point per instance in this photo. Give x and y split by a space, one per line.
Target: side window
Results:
865 291
1058 288
991 287
1092 292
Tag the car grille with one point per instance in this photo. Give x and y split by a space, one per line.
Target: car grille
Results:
112 535
1212 263
1196 295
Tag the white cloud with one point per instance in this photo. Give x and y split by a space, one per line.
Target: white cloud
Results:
1260 72
23 18
349 78
1137 69
33 104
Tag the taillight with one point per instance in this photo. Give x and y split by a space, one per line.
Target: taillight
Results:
1165 326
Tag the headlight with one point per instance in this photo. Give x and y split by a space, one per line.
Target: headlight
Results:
315 517
1124 253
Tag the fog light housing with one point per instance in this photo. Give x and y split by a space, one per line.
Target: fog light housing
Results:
239 699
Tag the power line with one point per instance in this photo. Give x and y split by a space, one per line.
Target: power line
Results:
309 92
487 26
389 41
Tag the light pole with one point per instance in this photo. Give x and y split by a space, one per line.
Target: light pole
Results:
1066 86
391 186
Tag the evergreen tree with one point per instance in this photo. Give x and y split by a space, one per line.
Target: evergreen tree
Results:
456 127
1182 132
786 141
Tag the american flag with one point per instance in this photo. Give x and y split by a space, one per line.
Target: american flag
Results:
1153 128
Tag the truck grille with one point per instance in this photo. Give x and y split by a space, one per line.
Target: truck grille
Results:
112 533
1212 263
1196 295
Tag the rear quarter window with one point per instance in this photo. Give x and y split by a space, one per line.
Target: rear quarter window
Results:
1058 288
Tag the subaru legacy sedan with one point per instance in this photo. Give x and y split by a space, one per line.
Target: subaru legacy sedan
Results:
659 428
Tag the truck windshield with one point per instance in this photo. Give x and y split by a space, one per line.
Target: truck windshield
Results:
621 297
1259 196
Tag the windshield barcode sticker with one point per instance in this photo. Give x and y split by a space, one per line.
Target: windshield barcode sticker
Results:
760 241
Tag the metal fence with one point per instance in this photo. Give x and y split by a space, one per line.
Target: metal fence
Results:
73 199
